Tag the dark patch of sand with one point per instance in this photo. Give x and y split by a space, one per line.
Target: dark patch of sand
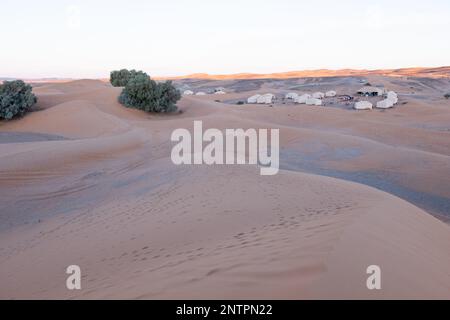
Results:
18 137
297 160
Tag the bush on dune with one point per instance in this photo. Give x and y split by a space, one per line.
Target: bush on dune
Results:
447 95
16 98
143 93
120 78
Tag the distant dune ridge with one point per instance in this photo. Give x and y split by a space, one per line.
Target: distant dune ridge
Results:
438 72
86 181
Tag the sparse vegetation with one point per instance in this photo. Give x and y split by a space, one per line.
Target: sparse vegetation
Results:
143 93
240 103
447 95
120 78
16 98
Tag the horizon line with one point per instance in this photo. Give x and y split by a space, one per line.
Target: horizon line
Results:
238 75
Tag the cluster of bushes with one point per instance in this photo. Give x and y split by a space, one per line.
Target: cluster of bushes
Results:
16 98
143 93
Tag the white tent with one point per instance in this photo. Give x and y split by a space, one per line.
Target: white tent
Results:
318 95
291 95
314 102
253 99
302 98
391 95
363 105
330 93
393 99
200 93
265 98
188 93
385 104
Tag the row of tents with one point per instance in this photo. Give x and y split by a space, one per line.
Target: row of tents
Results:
316 95
390 100
267 98
314 99
201 93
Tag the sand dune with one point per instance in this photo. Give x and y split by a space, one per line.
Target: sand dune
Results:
109 199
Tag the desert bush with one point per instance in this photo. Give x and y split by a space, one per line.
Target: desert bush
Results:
239 103
16 98
143 93
120 78
447 95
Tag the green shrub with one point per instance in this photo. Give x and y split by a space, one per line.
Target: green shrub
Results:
16 98
120 78
143 93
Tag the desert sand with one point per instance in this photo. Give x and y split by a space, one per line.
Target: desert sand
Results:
85 181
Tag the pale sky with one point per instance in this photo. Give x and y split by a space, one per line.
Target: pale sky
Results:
88 39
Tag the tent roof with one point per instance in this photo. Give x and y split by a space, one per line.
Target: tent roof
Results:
371 89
